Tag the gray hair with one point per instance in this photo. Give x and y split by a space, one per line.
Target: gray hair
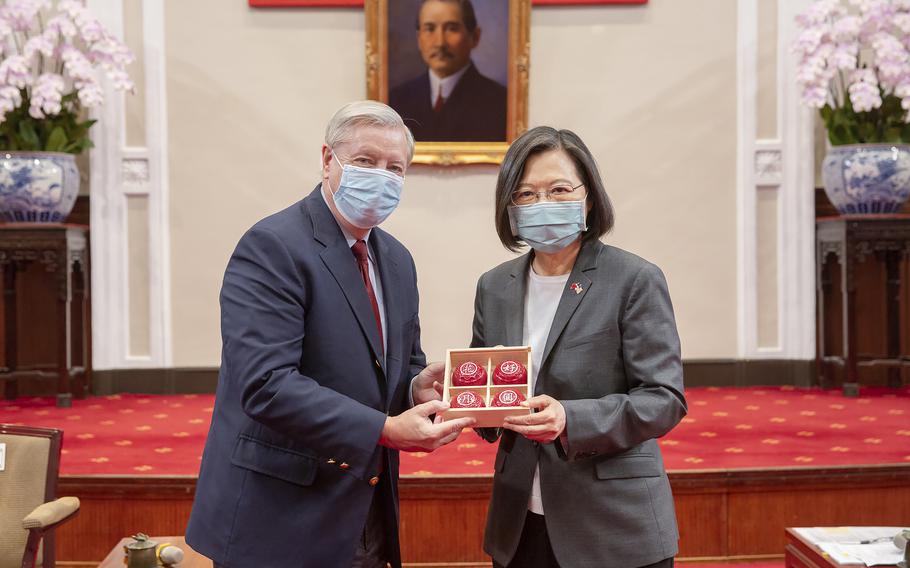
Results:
364 113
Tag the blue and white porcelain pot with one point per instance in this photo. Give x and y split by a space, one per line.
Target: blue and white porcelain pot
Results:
37 187
867 178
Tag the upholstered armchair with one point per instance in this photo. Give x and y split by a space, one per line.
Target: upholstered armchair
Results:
29 510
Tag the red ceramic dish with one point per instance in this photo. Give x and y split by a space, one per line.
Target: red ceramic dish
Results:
510 373
467 400
469 374
508 397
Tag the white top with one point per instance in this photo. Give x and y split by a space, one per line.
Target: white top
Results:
377 286
541 302
446 84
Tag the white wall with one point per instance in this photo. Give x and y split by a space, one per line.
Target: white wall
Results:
651 89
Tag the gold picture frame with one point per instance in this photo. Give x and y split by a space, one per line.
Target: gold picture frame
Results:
456 153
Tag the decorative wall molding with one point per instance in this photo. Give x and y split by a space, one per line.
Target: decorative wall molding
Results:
119 172
768 167
135 175
785 163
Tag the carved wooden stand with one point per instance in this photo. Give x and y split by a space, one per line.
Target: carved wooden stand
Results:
62 251
851 239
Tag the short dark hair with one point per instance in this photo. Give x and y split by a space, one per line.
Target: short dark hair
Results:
467 13
541 139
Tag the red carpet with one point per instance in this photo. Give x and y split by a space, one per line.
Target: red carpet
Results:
725 429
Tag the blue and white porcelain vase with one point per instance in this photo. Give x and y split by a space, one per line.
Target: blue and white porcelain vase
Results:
37 187
867 178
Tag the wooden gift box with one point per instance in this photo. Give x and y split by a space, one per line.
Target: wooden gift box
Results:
488 358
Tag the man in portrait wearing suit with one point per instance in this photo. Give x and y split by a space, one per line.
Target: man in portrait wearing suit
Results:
452 101
322 376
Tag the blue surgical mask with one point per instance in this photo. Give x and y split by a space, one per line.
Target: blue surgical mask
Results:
367 196
548 226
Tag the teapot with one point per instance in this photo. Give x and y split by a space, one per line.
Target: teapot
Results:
146 553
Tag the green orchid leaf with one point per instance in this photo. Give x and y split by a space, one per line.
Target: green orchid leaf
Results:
28 136
57 141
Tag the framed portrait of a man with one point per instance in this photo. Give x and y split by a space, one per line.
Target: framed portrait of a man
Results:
455 70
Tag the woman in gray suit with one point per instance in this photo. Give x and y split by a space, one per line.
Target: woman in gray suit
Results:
581 481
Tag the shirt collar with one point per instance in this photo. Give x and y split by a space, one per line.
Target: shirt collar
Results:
447 84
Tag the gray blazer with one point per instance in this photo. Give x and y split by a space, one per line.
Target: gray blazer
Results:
612 359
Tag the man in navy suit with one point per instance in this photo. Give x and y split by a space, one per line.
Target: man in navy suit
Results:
322 378
452 101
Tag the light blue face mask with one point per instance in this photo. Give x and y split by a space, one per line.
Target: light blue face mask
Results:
548 226
367 196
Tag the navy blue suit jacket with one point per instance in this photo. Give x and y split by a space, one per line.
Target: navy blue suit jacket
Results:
474 112
303 395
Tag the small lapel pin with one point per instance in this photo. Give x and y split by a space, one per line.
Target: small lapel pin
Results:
576 287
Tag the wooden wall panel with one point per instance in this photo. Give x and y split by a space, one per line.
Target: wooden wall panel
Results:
702 533
722 514
455 507
807 507
113 507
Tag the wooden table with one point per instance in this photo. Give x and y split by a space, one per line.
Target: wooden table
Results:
799 553
62 250
191 559
852 239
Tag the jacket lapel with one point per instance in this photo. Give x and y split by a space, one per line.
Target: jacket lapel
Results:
340 261
514 301
577 287
387 268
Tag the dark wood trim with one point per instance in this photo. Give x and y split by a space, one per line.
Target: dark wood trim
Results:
81 213
749 372
698 373
195 380
31 549
163 487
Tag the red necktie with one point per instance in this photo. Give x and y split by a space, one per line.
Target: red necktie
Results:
363 260
439 100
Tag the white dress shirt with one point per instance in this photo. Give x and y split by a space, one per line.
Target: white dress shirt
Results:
446 85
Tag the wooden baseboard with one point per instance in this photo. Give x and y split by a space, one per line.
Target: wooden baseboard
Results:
193 380
749 372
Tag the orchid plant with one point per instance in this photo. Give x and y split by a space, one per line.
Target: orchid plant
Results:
51 53
854 65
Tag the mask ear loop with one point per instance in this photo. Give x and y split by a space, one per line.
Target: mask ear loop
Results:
334 157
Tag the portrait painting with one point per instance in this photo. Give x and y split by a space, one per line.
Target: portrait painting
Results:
455 70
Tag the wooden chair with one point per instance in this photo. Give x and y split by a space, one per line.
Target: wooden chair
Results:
29 510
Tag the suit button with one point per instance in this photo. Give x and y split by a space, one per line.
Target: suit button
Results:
374 481
378 366
330 461
344 465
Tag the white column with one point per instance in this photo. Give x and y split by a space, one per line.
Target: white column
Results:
119 171
784 163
